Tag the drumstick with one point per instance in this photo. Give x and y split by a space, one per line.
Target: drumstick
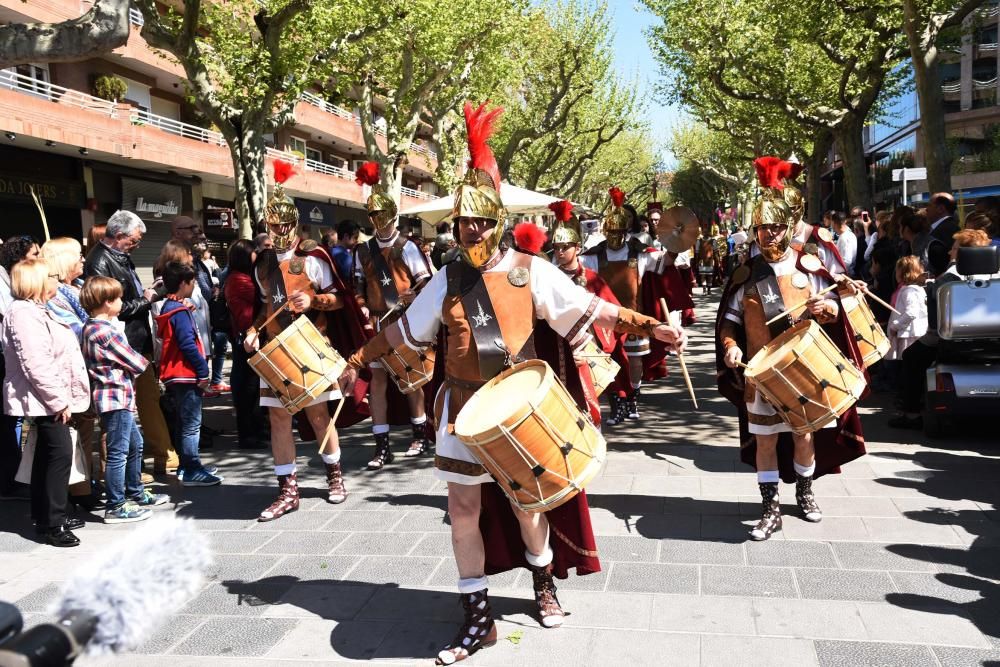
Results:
671 317
333 423
274 315
799 305
878 300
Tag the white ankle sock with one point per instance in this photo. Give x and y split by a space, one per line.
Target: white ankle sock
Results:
284 469
379 429
417 421
803 470
472 585
330 459
768 476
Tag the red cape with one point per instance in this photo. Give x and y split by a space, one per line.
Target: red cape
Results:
673 287
834 446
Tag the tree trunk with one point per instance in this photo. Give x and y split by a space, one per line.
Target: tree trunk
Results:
927 77
847 136
822 143
102 29
249 153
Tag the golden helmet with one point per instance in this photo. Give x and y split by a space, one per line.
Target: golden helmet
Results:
382 209
280 213
478 195
617 221
567 229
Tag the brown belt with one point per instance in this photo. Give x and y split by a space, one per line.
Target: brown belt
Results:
470 385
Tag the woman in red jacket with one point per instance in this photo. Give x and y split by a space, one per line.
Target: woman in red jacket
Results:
241 298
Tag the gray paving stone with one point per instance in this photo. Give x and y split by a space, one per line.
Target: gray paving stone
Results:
321 599
312 568
619 548
571 644
416 641
747 581
858 506
756 651
872 556
300 520
237 599
621 647
226 636
690 551
240 568
383 544
596 581
353 520
433 544
886 622
589 609
15 543
392 603
727 528
703 614
423 521
808 619
303 542
908 530
237 541
791 553
40 599
872 654
826 584
965 657
850 528
446 575
650 578
176 628
935 589
401 570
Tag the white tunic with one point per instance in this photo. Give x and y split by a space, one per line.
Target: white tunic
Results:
564 305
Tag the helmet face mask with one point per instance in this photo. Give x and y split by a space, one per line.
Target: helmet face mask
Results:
479 253
773 227
281 217
384 222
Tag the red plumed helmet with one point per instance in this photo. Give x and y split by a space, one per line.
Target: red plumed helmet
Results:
480 124
617 196
563 210
367 174
529 237
283 171
771 171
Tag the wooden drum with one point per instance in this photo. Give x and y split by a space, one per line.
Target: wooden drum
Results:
805 377
603 368
525 429
299 365
408 368
872 341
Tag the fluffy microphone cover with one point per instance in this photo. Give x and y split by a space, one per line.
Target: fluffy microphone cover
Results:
136 584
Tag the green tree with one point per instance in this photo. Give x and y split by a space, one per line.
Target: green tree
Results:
822 65
630 161
247 63
422 69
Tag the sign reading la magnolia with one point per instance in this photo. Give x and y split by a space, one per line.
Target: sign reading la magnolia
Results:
158 210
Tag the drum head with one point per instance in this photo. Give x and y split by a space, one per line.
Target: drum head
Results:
777 351
498 401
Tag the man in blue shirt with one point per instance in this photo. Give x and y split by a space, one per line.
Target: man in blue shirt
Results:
343 252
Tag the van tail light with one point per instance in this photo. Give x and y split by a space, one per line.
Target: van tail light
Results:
945 383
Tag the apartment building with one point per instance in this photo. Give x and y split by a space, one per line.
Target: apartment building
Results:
969 87
87 157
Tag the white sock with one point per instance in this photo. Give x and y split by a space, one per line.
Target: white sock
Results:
417 421
636 385
284 469
803 470
379 429
473 585
331 458
768 477
542 559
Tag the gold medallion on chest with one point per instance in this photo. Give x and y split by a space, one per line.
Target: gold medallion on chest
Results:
518 276
633 262
800 281
296 265
810 263
581 280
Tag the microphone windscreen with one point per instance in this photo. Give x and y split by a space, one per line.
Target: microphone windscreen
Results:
133 586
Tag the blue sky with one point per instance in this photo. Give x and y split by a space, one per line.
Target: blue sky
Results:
634 61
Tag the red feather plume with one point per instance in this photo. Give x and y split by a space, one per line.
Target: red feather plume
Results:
771 171
367 174
480 124
529 237
283 171
563 210
617 196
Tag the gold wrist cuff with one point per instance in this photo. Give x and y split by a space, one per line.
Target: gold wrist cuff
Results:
632 322
327 302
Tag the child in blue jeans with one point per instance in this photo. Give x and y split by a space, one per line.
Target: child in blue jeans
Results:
184 370
113 365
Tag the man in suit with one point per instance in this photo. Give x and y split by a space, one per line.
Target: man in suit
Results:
941 212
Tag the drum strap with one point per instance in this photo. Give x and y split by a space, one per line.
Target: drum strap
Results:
467 283
278 296
766 283
383 274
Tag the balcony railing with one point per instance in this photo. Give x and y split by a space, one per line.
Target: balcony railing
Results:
58 94
186 130
135 17
988 84
318 101
951 88
417 194
324 168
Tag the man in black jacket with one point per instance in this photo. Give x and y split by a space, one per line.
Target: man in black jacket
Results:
940 213
111 258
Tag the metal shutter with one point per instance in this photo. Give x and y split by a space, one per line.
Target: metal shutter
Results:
157 235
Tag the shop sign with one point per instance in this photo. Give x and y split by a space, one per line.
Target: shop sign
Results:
57 193
220 218
151 200
316 213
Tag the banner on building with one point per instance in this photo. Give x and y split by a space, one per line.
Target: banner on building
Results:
151 200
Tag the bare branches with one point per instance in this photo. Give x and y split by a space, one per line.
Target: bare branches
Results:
103 28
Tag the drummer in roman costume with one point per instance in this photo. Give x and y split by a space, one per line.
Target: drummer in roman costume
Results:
622 261
491 303
389 272
301 274
566 241
776 277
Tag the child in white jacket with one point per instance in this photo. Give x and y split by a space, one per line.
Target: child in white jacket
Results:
910 300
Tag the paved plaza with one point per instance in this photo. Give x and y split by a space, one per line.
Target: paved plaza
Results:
903 570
